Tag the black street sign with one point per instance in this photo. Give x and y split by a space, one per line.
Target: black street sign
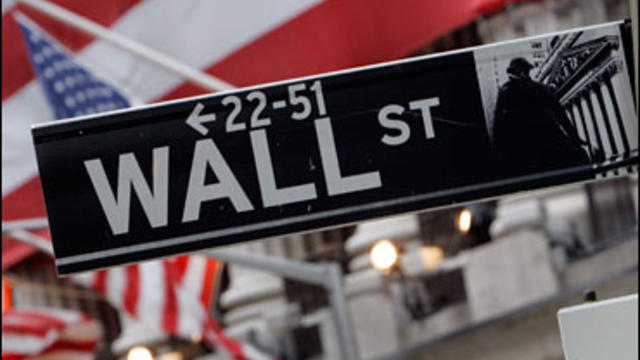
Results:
338 148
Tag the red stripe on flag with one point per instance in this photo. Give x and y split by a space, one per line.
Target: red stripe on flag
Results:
214 336
100 281
24 202
39 318
34 329
338 34
6 356
30 323
180 264
170 313
16 70
132 290
14 251
63 345
208 282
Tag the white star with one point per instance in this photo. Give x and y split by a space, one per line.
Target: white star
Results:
38 58
48 51
34 37
58 86
49 72
69 81
59 66
69 101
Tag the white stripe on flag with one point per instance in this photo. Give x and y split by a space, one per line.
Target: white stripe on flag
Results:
192 280
116 286
188 295
19 112
28 344
152 293
190 311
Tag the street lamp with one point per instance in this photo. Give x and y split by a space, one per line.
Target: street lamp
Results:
139 353
464 221
384 255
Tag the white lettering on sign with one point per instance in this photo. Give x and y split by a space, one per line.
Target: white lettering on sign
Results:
302 100
400 126
396 124
425 106
195 120
271 195
206 155
231 126
117 206
336 184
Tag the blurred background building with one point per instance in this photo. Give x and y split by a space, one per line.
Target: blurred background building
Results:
481 281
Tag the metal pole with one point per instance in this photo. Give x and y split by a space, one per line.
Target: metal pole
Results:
89 27
633 5
340 311
329 276
26 224
36 241
297 270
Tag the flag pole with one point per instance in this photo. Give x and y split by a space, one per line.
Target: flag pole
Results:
34 240
94 29
18 230
633 6
25 224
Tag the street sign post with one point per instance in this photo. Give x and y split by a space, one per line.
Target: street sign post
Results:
338 148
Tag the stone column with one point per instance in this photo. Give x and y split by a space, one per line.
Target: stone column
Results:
580 123
594 120
583 121
607 122
616 110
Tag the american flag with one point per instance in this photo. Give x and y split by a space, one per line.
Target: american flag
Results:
49 334
172 295
69 87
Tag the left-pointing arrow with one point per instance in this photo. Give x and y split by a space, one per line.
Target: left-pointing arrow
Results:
196 120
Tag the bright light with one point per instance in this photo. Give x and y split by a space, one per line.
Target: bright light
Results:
139 353
431 257
464 221
384 255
